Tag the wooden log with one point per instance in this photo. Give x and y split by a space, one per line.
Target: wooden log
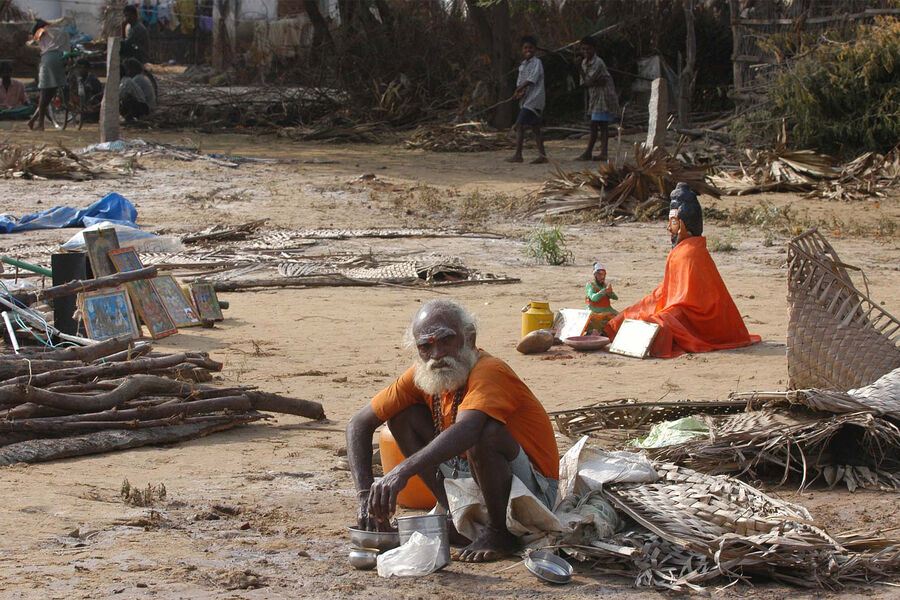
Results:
84 353
108 441
140 349
129 389
292 406
107 370
84 285
126 419
11 368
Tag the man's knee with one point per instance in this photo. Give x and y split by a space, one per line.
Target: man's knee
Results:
495 439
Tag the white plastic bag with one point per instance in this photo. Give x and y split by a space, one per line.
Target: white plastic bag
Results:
420 555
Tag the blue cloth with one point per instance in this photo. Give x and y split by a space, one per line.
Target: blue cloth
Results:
111 207
603 117
528 117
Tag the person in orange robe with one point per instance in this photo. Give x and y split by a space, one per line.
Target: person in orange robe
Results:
692 305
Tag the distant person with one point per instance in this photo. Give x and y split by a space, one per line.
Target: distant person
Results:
52 41
13 101
136 95
93 89
136 42
603 103
530 90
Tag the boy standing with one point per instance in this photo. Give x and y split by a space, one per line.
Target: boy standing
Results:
603 104
530 90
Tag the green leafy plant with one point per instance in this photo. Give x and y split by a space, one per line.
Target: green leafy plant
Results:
547 244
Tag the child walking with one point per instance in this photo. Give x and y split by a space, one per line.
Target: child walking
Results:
603 103
530 90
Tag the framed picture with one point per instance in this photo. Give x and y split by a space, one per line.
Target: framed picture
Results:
150 308
98 244
206 301
125 259
179 306
634 338
107 314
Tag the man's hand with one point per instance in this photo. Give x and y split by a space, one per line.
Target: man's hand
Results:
609 289
383 494
578 59
362 512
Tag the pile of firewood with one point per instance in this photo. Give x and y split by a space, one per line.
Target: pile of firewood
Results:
116 394
464 137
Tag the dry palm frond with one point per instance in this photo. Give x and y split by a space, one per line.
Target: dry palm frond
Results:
786 170
637 188
692 528
45 162
465 137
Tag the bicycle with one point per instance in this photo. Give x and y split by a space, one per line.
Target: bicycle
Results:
68 105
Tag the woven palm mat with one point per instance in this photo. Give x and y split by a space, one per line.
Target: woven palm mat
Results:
692 527
838 338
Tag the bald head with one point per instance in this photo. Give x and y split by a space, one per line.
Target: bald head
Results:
441 318
443 333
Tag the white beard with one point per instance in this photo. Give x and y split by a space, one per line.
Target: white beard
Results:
444 374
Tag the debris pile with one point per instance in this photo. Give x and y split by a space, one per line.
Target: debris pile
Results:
638 189
115 394
687 528
46 162
464 137
821 175
246 256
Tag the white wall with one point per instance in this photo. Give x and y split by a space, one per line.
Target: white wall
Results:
85 12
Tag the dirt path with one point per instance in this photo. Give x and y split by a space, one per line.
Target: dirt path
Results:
259 512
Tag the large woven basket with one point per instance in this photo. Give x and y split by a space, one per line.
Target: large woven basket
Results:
838 338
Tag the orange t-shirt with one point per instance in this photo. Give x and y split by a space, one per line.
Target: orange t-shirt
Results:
494 389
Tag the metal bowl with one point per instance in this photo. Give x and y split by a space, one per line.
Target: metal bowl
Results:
381 540
549 567
363 558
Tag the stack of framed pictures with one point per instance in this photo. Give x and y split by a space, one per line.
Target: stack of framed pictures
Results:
161 303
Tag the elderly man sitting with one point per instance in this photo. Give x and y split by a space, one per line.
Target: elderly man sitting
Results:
455 400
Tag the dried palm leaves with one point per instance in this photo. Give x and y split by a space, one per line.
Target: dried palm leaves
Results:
692 528
849 438
637 189
45 162
464 137
784 170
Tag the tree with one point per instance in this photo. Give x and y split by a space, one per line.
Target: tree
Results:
688 76
492 22
321 35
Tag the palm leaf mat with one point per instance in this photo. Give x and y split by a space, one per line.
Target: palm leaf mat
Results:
838 338
689 528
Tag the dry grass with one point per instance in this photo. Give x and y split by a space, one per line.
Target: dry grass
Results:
467 209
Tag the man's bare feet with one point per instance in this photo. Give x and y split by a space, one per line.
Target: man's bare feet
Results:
514 159
603 157
584 156
491 545
539 160
456 538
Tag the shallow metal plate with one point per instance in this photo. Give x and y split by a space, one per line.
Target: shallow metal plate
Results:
549 567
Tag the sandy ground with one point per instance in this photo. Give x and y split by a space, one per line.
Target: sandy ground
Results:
260 512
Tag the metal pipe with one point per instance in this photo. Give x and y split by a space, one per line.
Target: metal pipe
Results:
27 266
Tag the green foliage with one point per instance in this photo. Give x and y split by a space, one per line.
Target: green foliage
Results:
841 96
726 244
547 244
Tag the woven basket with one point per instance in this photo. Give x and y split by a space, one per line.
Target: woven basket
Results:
838 338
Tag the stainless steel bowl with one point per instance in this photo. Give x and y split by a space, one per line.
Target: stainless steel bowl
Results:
363 558
549 567
381 540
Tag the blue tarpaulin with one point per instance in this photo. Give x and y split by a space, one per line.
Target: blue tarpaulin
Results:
111 207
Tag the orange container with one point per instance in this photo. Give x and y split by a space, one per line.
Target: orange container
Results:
416 494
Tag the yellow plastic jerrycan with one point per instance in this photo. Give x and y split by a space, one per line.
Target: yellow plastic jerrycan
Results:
537 315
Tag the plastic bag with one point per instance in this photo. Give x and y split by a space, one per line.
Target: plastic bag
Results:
674 432
420 555
142 241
